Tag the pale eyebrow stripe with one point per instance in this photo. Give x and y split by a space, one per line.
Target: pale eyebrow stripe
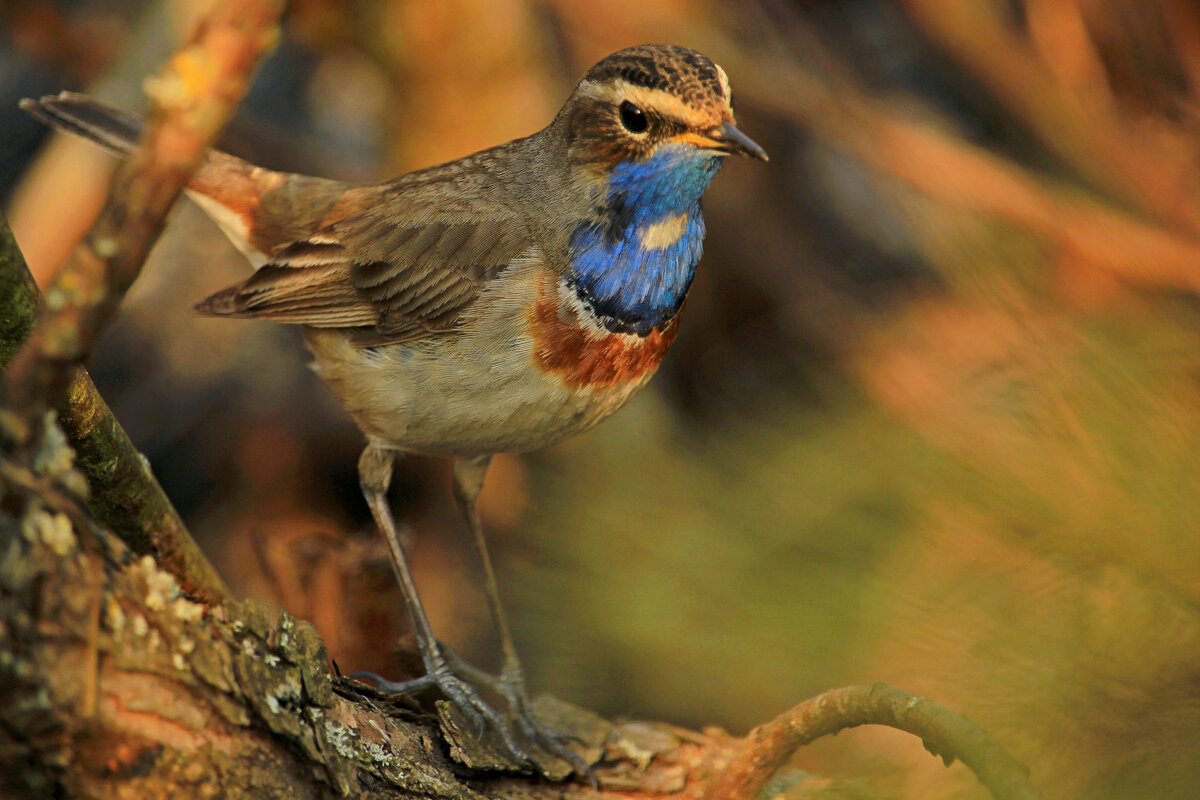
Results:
663 102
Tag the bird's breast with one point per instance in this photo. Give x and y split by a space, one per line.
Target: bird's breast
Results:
528 368
571 345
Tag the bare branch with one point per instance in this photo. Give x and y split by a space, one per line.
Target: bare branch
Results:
112 683
944 733
194 97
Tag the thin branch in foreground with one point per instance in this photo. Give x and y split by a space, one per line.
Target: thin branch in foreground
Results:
194 97
945 733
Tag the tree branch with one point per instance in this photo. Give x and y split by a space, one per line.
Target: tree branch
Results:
944 733
19 296
124 495
112 682
194 96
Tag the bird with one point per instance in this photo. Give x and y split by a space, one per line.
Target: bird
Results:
498 303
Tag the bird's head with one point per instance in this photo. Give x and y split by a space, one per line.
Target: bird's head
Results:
654 105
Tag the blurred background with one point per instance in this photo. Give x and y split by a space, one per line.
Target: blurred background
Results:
933 416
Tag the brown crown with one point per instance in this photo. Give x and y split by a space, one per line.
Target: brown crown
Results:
689 75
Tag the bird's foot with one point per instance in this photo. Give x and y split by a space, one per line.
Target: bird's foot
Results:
464 697
510 685
512 688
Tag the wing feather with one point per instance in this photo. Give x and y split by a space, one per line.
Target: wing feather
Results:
389 274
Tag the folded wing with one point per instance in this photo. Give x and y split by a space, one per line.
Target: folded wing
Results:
393 275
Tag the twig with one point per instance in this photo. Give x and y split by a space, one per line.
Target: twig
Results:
126 497
194 97
944 733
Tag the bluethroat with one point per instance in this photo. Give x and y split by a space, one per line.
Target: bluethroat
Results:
494 304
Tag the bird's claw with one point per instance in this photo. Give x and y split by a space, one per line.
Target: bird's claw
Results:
452 680
512 688
464 697
510 685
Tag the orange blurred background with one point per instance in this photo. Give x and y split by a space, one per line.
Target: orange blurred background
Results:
933 416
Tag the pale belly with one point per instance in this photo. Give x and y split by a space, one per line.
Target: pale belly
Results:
503 383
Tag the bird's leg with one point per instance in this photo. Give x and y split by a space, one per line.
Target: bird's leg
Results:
468 481
375 475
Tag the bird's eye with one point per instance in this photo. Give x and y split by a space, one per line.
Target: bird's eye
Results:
633 118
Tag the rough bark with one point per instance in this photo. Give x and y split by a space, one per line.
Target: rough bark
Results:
114 684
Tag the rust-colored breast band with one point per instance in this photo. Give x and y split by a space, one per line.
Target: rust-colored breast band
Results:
587 360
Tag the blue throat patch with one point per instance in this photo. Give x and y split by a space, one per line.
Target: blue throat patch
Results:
634 263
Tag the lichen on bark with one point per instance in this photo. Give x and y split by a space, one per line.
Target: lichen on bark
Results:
114 683
125 496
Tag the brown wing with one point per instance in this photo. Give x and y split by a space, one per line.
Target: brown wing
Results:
392 274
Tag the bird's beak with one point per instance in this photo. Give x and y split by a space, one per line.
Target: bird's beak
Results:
731 140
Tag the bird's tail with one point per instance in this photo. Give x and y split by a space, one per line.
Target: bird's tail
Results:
228 189
112 128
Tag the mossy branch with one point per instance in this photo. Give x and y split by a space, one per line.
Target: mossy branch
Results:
114 683
19 296
124 495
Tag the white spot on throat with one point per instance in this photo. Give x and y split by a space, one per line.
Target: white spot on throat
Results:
664 233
